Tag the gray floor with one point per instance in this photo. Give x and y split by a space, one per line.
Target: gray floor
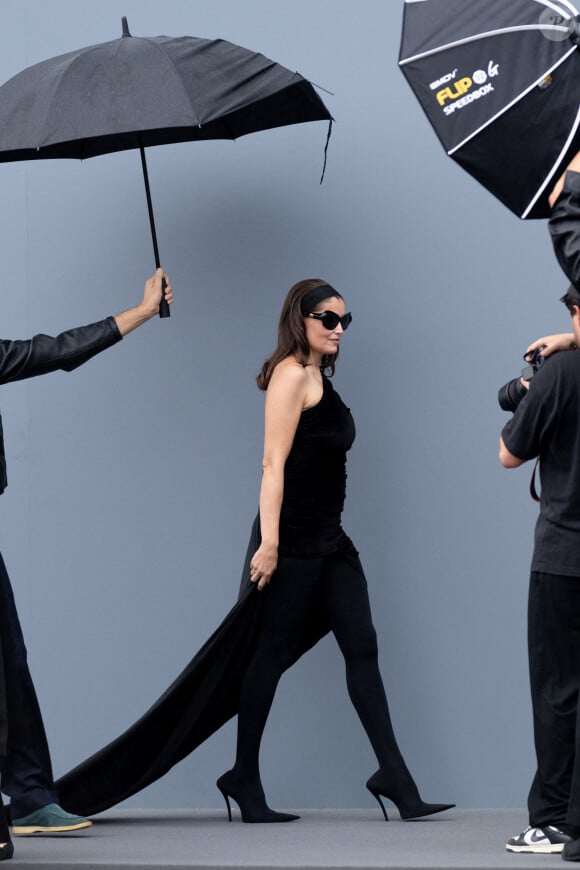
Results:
203 839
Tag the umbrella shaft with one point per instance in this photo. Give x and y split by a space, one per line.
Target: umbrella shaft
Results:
150 207
164 307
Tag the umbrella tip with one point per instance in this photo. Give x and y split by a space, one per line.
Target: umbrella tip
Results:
125 26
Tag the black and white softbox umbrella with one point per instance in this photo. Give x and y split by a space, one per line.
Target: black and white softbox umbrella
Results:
499 80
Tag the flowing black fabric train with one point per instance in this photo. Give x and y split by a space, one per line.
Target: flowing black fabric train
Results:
201 699
206 693
319 585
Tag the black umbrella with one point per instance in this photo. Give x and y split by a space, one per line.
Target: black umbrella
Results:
500 83
134 92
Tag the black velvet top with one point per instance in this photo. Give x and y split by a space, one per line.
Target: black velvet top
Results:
315 479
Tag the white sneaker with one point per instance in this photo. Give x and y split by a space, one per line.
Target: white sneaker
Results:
540 840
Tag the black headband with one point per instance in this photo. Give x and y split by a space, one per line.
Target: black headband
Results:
314 297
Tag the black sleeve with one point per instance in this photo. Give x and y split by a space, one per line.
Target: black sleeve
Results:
44 353
564 227
526 433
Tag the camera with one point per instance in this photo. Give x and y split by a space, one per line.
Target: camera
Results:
512 393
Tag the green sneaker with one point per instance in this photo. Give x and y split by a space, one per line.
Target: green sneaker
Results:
50 819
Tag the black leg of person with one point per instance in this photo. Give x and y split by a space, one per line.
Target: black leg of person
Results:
347 606
27 776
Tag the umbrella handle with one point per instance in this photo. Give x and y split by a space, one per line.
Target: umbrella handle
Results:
164 305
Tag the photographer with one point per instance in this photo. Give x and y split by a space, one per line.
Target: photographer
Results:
546 425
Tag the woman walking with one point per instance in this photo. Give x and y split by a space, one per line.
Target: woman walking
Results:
305 563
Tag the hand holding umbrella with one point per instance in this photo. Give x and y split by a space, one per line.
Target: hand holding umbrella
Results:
157 290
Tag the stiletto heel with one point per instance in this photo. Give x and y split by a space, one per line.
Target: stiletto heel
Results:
376 794
249 796
403 792
227 800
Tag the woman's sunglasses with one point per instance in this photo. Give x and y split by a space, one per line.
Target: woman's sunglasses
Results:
330 319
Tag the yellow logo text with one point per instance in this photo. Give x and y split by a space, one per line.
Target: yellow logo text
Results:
460 88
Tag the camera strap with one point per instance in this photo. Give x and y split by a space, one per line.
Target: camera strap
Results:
533 490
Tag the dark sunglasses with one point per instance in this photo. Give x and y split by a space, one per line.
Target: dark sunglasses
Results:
330 319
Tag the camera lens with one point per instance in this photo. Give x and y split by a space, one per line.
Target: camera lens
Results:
511 394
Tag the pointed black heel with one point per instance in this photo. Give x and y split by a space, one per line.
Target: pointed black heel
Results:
407 800
250 798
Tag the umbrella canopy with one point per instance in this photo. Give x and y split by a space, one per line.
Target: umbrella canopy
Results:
139 91
500 83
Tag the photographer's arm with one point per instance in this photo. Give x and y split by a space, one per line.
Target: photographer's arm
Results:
552 343
507 459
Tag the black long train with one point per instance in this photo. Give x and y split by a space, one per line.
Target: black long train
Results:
201 699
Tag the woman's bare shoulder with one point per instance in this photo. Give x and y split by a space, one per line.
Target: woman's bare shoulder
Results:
289 372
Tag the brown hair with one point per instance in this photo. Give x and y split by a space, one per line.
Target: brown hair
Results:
292 339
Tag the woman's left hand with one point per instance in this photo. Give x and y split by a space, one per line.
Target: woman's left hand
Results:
263 564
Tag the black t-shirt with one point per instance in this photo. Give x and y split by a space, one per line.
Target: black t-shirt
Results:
546 423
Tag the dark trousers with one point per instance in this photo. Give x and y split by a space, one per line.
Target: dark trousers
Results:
332 589
554 657
27 771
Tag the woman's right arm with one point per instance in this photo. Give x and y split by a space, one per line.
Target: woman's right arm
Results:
284 404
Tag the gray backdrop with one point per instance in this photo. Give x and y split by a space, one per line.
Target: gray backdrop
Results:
133 481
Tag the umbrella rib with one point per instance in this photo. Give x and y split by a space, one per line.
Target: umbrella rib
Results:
554 168
512 103
559 28
558 9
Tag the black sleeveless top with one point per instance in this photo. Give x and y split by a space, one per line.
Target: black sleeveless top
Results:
315 479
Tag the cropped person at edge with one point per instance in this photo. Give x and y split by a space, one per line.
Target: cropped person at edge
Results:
26 767
545 425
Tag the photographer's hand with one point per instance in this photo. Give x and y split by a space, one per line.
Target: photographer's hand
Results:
553 343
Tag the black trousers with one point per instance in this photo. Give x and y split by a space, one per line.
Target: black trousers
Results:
333 590
27 771
554 657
